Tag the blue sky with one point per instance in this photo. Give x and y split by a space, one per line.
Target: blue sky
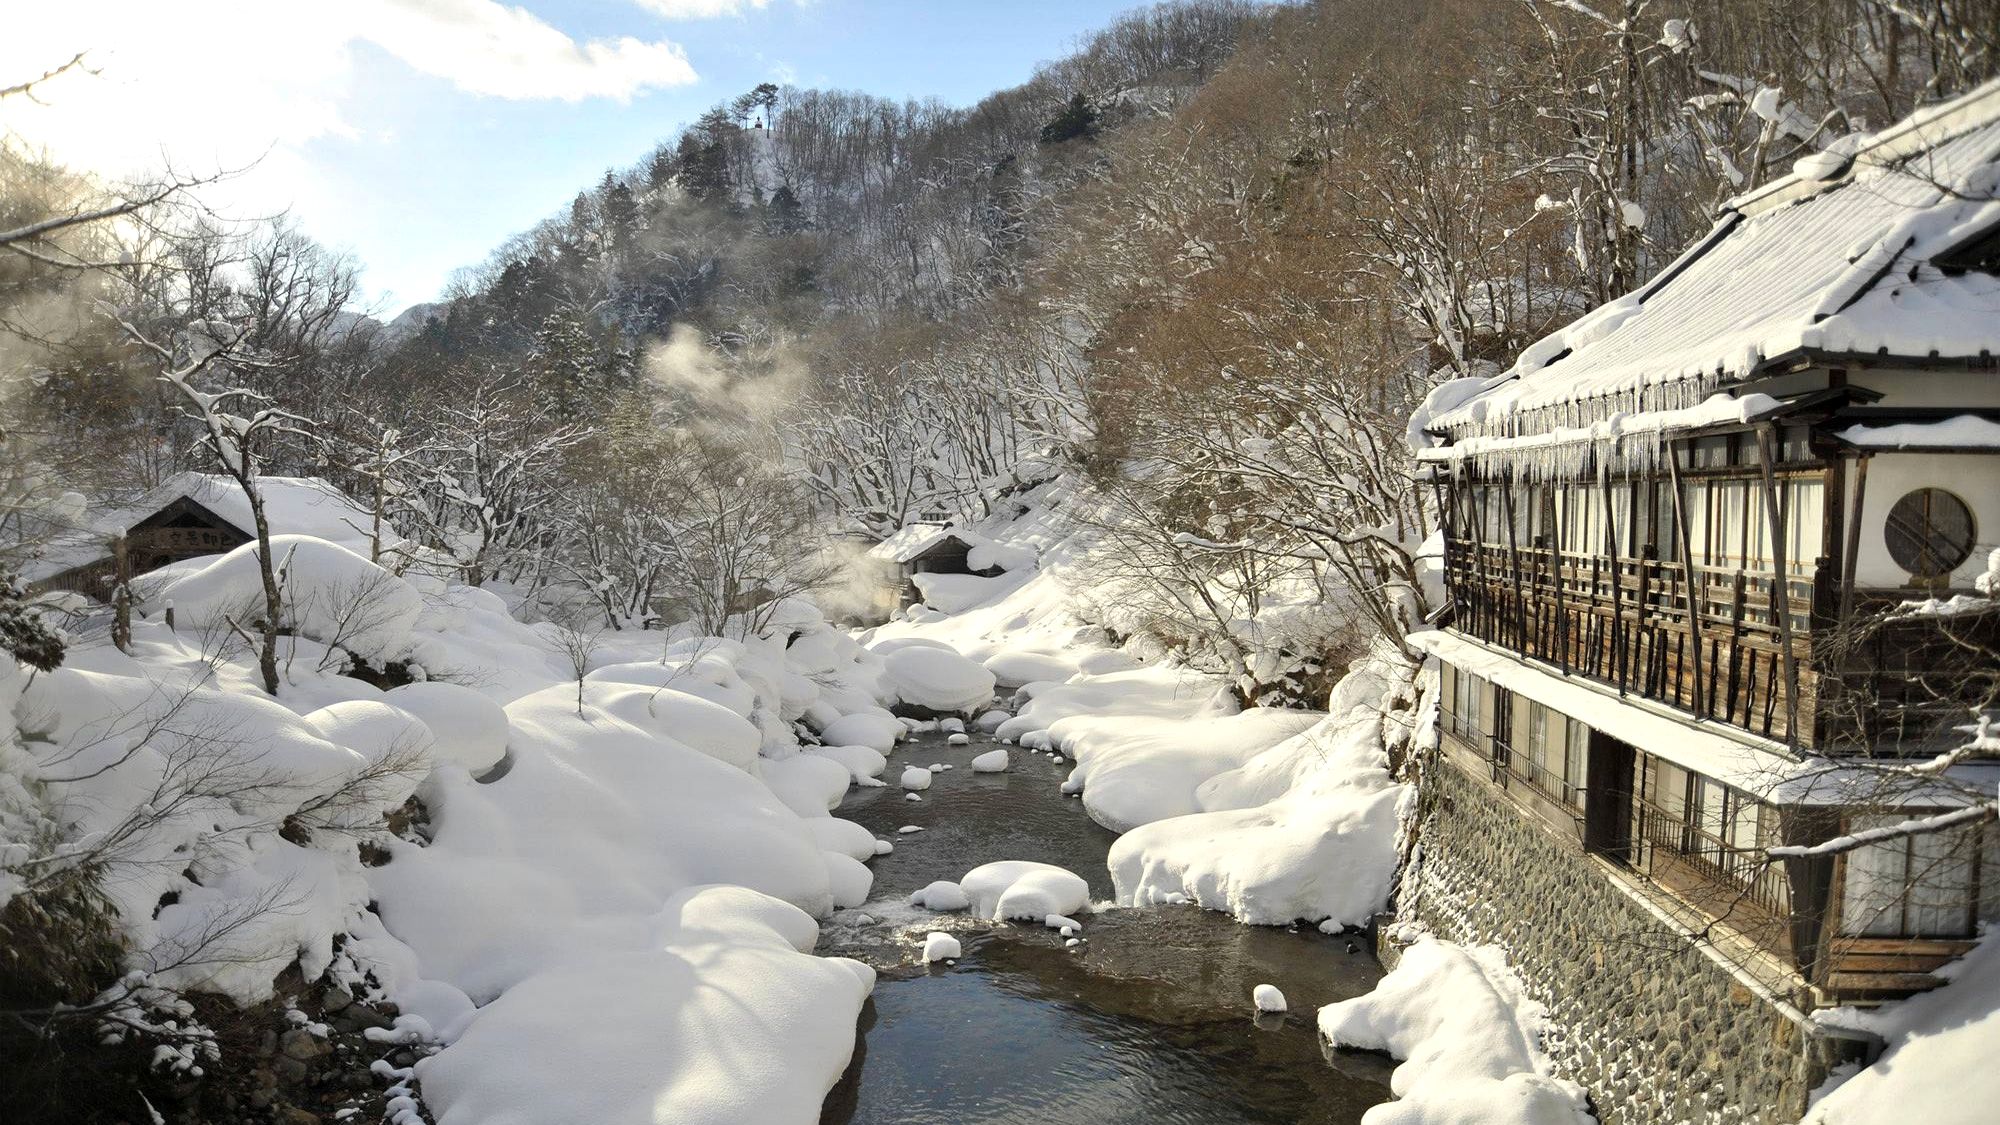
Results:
418 134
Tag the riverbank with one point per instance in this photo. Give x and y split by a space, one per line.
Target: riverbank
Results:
1147 1018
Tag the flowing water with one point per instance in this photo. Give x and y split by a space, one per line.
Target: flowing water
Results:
1148 1019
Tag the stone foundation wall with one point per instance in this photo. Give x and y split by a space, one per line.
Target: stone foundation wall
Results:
1652 1024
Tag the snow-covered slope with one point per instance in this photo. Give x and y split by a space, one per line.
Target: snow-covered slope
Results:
605 906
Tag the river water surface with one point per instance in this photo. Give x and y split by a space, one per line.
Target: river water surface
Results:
1147 1020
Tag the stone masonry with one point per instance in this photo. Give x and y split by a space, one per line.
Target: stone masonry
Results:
1650 1022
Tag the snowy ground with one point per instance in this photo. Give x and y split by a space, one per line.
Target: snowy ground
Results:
607 908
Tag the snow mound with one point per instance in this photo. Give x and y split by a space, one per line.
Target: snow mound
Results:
848 877
1939 1060
635 1034
940 947
938 679
1016 667
877 730
1024 890
844 836
959 739
916 778
993 761
331 595
862 763
809 785
471 730
1322 846
1268 998
941 896
1467 1033
989 721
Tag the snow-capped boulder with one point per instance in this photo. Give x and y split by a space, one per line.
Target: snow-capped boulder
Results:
937 679
993 761
941 896
470 729
1022 889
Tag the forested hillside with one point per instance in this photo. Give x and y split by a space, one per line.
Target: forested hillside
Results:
1229 246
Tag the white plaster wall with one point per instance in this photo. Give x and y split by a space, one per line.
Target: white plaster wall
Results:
1973 478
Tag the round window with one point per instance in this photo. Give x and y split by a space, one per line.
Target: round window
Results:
1929 533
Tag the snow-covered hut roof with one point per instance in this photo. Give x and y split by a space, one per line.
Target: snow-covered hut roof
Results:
292 505
910 541
1839 258
982 553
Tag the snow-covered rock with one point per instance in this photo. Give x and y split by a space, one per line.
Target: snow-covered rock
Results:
636 1034
915 778
1267 998
937 679
876 730
940 947
469 729
1024 890
941 895
992 761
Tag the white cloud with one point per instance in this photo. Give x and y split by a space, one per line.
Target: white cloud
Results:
225 82
483 47
700 9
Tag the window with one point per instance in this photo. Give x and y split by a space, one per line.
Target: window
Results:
1910 886
1929 533
1552 760
1463 702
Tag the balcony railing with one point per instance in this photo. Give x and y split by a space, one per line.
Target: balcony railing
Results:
1715 645
1674 849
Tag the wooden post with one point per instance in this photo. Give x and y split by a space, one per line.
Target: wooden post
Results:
1617 579
1851 551
1689 583
1781 590
1514 557
121 594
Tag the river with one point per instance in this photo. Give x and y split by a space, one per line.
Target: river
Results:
1147 1019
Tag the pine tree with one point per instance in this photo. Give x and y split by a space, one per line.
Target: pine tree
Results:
567 373
1077 119
22 632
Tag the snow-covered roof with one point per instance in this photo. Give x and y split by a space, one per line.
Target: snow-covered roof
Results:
1834 259
292 505
909 542
913 542
1966 431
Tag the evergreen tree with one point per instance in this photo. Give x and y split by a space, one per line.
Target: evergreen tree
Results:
1077 119
566 371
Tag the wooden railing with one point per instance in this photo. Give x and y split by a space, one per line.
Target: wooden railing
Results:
1736 875
1721 644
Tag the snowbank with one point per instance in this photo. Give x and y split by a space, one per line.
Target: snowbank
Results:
1304 830
716 1012
331 595
1467 1033
470 729
1939 1065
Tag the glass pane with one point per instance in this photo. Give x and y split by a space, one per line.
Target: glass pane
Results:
1872 901
1940 883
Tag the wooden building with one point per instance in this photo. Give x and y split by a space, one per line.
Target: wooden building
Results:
188 516
1676 533
928 548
